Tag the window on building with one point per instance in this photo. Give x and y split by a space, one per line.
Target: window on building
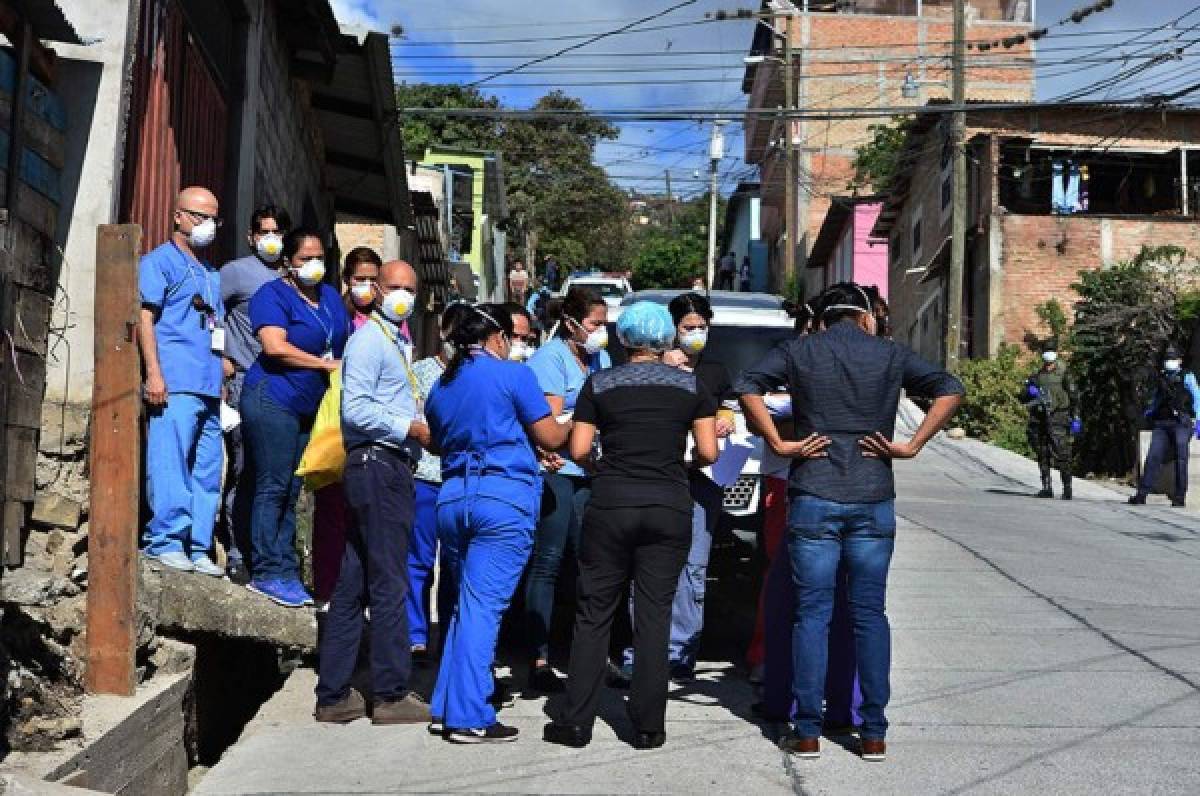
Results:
916 237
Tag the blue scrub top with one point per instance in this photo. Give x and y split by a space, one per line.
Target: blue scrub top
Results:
558 373
311 329
168 280
478 421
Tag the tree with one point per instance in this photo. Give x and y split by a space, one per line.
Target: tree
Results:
421 132
876 162
556 193
672 257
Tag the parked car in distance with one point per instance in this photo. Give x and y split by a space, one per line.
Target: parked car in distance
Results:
613 288
745 326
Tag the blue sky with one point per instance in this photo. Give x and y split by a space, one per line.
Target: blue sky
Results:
464 40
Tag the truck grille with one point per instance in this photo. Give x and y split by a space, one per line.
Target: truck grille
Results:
740 494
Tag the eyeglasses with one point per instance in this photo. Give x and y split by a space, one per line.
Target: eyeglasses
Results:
531 339
203 216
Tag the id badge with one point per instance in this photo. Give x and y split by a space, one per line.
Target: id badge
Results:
218 339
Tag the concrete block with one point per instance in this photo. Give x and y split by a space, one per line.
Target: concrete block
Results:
56 511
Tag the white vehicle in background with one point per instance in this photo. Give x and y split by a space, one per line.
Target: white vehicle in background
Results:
745 326
613 288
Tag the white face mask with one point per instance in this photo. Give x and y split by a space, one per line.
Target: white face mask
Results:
269 247
693 341
310 273
596 341
203 233
398 305
1172 365
1049 357
363 293
519 352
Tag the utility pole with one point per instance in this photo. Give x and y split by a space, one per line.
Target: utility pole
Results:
789 193
716 151
958 242
670 202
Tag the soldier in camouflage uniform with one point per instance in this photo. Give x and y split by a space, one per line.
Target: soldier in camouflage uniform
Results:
1053 406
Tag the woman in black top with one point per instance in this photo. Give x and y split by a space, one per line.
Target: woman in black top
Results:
691 313
638 519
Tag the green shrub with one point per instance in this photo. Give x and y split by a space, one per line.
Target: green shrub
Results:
991 410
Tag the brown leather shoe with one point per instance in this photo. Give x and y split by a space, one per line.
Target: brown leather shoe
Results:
806 748
352 708
409 710
874 751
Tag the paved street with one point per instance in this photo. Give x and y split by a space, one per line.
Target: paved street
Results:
1039 647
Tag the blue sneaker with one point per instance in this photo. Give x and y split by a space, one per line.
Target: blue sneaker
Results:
297 590
277 591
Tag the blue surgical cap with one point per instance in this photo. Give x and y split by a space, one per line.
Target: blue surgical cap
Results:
647 325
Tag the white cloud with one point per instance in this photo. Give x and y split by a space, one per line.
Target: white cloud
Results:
356 14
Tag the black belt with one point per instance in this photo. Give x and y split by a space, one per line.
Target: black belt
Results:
405 456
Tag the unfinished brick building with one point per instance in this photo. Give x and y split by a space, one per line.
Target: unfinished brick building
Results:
1052 190
860 54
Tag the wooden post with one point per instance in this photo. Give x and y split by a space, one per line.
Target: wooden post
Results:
115 466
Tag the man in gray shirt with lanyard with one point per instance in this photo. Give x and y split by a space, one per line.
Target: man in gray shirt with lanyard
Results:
845 383
383 430
240 280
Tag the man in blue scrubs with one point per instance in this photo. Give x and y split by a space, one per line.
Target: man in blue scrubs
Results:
182 339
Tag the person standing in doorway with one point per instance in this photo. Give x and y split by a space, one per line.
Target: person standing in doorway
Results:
383 433
181 334
240 280
301 323
845 384
561 366
1173 410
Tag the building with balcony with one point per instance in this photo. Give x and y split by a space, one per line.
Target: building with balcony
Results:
861 54
1052 191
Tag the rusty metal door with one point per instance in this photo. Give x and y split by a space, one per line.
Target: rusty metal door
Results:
178 125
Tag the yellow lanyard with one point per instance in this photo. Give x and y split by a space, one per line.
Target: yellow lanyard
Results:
412 377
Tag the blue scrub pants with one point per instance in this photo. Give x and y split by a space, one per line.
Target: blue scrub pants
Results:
494 541
183 475
422 555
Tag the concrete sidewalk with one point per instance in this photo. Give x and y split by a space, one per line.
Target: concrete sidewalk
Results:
1039 647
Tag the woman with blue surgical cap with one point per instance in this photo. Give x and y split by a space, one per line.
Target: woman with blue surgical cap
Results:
638 522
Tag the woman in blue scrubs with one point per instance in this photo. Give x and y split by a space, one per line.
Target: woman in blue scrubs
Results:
485 416
561 366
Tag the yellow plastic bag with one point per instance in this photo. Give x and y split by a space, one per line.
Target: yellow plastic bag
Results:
325 457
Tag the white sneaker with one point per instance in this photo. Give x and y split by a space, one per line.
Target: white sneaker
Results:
205 566
175 560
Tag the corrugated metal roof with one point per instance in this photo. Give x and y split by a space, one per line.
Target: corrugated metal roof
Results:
48 20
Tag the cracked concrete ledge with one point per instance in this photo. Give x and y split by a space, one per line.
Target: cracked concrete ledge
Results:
190 603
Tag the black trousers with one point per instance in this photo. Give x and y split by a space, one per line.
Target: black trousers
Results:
648 544
379 489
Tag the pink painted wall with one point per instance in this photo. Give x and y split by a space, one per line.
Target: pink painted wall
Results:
870 258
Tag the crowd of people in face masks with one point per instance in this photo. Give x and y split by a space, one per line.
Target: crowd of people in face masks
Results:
493 469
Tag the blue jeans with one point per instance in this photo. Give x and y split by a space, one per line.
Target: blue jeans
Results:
183 475
275 439
494 538
860 537
561 525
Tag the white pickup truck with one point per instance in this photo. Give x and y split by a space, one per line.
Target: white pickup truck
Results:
613 288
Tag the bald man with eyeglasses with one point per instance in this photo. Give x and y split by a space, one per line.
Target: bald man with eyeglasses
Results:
182 340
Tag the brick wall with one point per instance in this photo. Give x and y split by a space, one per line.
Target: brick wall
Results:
1043 255
289 153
